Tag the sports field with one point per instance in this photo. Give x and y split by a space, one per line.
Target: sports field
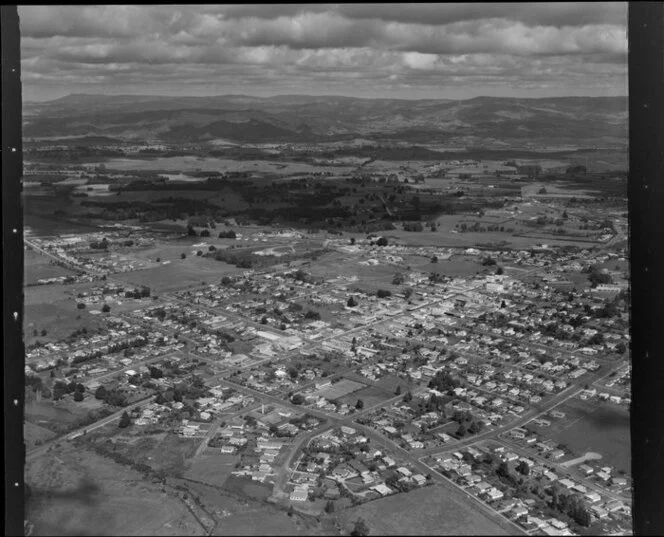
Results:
425 511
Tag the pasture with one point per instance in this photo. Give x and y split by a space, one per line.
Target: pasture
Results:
76 492
221 165
425 511
37 266
211 467
49 308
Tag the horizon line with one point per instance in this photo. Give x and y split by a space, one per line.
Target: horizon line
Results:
327 96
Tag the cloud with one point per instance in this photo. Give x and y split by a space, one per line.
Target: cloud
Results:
346 47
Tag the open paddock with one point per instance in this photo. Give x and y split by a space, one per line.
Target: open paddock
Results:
179 274
221 165
34 435
76 492
593 426
38 266
212 467
425 511
59 318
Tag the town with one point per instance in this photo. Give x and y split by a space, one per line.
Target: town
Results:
335 369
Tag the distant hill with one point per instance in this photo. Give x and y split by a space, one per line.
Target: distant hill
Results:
577 121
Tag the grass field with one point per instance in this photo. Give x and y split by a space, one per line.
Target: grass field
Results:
34 433
212 467
594 426
179 274
37 266
76 492
425 511
192 163
49 308
60 418
370 395
340 390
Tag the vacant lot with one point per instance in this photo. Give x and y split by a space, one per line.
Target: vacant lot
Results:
76 492
425 511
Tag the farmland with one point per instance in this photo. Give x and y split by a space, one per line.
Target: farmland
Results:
426 511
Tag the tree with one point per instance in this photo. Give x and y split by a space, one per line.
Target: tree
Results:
408 397
125 420
500 271
44 332
78 397
351 302
398 390
291 511
360 529
101 393
381 242
199 253
80 306
297 399
191 231
360 404
183 256
158 260
106 308
352 241
434 259
503 470
329 507
523 468
383 293
621 347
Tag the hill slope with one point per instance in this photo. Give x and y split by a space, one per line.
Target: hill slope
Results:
578 121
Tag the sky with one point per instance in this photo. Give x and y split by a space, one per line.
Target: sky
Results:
401 51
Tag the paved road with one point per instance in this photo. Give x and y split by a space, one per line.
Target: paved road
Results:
82 430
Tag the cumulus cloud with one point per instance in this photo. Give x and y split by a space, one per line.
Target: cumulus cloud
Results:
560 47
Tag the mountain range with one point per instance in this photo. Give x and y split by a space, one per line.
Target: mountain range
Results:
570 121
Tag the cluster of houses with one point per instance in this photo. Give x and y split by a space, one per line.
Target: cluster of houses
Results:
464 467
367 473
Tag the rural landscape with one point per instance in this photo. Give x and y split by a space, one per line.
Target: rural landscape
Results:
326 315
